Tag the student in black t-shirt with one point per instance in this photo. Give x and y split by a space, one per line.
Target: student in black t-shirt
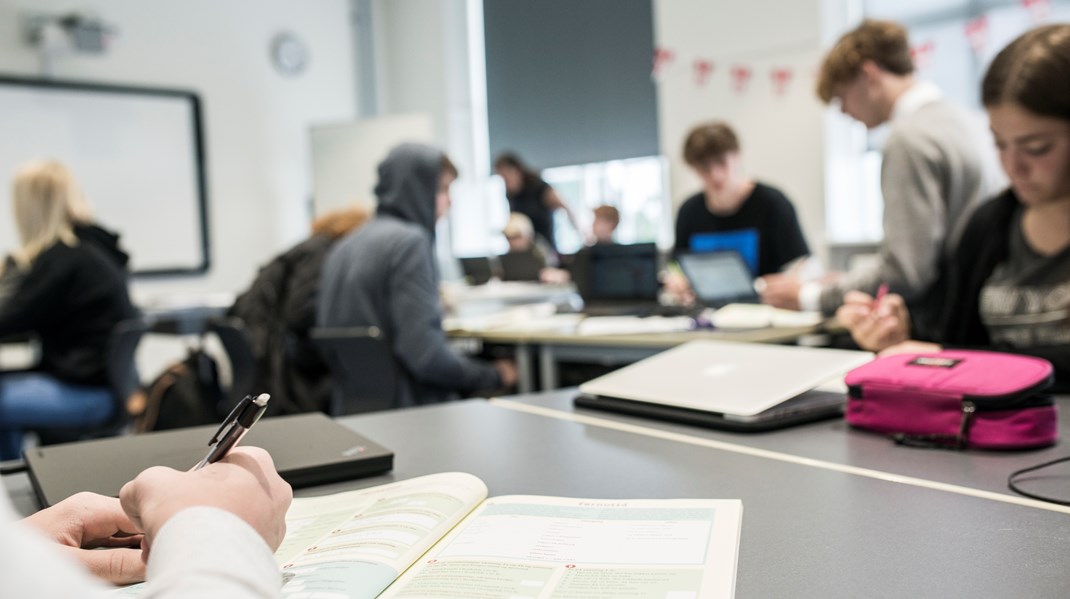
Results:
733 204
529 195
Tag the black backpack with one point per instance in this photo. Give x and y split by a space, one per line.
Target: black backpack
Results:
187 393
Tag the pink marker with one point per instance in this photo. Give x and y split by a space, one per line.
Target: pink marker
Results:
881 292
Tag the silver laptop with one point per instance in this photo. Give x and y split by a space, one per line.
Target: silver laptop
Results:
735 386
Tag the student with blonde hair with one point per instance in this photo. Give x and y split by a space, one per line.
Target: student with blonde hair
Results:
65 285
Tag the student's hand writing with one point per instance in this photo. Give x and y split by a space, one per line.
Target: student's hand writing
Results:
82 523
781 290
244 483
875 326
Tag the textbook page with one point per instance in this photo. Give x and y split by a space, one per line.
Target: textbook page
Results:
557 548
355 543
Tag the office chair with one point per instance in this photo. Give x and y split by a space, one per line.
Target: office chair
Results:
365 375
239 350
122 379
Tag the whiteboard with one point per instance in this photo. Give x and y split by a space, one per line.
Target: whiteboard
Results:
136 153
345 157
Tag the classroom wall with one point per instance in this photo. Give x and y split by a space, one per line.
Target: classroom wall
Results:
256 119
781 134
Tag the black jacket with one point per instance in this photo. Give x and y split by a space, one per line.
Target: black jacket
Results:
985 243
71 298
279 309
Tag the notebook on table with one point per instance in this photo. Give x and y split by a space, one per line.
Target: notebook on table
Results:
730 386
308 449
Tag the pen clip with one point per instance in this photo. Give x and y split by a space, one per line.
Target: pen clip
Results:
233 416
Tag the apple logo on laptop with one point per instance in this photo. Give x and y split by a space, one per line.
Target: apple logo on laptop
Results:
718 370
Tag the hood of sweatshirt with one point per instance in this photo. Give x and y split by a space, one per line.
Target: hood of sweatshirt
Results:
104 240
408 180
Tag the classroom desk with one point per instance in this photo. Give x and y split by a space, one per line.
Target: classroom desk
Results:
807 531
836 444
551 347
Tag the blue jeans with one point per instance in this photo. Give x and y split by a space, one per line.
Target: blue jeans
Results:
34 400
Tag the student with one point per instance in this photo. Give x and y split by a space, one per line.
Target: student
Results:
279 310
733 203
606 220
522 239
209 533
931 174
383 274
1009 282
529 195
69 293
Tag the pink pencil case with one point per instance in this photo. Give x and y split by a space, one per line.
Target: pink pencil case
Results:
955 399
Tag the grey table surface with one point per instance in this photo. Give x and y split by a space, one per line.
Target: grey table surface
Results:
835 442
807 532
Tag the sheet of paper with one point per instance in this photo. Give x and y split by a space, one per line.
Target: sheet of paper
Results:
556 548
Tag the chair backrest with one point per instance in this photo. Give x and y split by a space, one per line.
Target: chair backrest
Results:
365 375
239 350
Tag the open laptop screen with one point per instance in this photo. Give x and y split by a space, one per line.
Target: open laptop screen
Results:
622 272
718 278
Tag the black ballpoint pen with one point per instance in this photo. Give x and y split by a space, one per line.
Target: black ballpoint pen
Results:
235 425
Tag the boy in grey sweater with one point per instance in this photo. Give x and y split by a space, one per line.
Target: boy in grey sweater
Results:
383 275
931 175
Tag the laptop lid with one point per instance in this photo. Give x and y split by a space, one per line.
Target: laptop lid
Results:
520 266
733 379
614 274
308 449
719 278
476 270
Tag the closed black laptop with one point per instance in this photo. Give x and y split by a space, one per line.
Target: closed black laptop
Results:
308 449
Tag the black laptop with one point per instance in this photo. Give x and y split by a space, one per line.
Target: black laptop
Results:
617 279
520 266
477 271
308 449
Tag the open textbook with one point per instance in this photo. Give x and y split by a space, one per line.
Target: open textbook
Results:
438 536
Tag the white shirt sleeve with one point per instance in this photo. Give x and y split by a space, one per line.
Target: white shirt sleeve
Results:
208 552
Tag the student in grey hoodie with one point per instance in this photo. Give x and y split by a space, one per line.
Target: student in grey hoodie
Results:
384 275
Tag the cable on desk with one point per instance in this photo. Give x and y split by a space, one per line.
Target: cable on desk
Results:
12 467
1012 483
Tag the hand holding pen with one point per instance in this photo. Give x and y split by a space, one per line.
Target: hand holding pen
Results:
235 425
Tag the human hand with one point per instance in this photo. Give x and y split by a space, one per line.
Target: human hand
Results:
875 325
677 288
554 276
780 290
82 523
507 372
244 483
